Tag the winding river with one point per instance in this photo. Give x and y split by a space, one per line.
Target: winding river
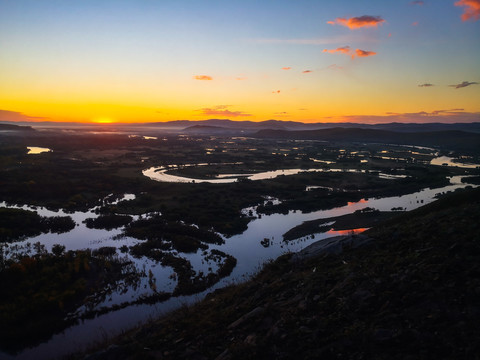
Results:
245 247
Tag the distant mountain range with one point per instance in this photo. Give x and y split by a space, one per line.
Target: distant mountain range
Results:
229 126
459 136
14 127
247 126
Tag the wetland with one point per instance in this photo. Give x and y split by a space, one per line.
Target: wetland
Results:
134 226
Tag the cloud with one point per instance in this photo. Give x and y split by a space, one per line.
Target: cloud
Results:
358 22
471 11
364 53
306 71
342 50
203 77
241 78
443 116
222 111
6 115
463 84
425 85
276 92
346 50
286 68
417 3
415 23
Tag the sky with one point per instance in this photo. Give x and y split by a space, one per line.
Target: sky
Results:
370 61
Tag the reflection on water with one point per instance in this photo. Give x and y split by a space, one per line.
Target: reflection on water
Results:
160 174
247 248
346 232
448 161
32 150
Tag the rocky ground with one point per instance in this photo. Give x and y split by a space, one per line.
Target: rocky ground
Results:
407 289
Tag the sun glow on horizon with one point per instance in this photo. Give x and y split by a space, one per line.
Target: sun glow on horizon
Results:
103 120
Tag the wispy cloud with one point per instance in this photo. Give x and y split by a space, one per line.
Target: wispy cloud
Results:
346 50
463 84
426 85
358 22
307 71
471 11
417 3
334 67
276 91
222 111
286 68
203 77
7 115
342 50
415 23
444 116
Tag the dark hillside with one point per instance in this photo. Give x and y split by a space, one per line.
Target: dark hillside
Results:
13 127
411 292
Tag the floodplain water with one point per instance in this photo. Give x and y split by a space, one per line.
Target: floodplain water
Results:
245 247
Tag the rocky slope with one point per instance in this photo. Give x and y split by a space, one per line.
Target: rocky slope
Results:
408 289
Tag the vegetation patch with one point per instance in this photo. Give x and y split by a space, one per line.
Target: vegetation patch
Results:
17 224
108 222
43 289
160 233
190 282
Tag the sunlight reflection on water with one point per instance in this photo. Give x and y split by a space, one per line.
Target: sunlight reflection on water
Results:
33 150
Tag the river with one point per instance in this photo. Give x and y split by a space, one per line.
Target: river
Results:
245 247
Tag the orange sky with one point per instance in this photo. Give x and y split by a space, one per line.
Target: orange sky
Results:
310 61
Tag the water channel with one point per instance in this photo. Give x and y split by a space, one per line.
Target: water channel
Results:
245 247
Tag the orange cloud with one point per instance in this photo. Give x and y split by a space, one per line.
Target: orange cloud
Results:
415 23
276 92
471 11
441 116
364 53
306 71
286 68
342 50
202 77
346 50
222 111
359 21
417 3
